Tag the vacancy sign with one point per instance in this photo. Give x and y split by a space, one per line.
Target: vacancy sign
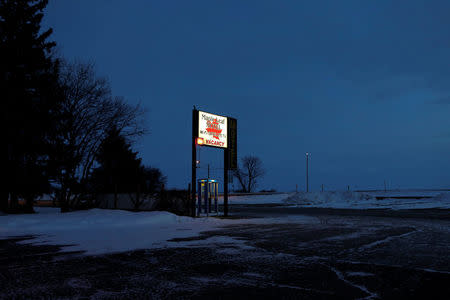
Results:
212 129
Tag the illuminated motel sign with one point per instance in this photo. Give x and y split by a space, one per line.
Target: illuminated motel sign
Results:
212 130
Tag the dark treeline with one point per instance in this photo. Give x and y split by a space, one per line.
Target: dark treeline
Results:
66 134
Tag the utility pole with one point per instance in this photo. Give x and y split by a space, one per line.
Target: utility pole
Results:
307 183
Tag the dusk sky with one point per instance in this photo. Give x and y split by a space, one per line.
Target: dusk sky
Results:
364 86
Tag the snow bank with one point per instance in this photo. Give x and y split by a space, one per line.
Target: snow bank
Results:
98 231
331 199
349 199
257 199
357 200
406 193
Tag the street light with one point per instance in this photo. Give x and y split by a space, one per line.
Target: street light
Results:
307 183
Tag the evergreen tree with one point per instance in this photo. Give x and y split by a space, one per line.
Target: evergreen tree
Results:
28 85
120 168
152 180
121 171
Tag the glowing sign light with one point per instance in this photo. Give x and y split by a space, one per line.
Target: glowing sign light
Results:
200 141
212 129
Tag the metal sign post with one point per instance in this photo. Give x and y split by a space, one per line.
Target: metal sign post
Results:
225 182
194 159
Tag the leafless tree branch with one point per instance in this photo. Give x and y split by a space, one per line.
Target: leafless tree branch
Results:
248 173
88 111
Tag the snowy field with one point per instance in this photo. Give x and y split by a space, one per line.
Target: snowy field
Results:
352 200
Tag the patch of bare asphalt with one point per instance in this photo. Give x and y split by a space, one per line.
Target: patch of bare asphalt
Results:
347 259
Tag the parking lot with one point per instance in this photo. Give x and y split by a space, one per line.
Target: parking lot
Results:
315 254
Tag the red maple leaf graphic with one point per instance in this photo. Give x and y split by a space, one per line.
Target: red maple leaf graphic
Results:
213 127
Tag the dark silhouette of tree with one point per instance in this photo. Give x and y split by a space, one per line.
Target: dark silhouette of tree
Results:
152 180
119 166
121 171
248 173
28 89
87 113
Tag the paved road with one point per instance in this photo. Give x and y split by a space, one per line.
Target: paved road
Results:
315 254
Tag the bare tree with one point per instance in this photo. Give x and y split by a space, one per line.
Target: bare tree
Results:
87 111
248 174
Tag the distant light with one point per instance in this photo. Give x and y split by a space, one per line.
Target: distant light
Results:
200 141
198 162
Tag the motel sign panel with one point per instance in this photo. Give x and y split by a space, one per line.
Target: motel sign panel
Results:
213 129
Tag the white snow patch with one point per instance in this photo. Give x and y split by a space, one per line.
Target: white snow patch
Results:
358 200
99 231
435 271
358 286
257 199
385 240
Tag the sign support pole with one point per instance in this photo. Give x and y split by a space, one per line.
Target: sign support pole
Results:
194 160
225 182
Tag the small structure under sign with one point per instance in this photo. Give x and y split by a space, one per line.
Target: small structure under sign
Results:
208 190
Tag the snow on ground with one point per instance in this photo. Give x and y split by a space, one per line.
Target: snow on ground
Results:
407 193
351 200
98 231
256 199
357 200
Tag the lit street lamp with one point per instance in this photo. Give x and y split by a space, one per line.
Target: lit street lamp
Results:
307 183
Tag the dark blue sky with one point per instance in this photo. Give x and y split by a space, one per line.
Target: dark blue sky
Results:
364 86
